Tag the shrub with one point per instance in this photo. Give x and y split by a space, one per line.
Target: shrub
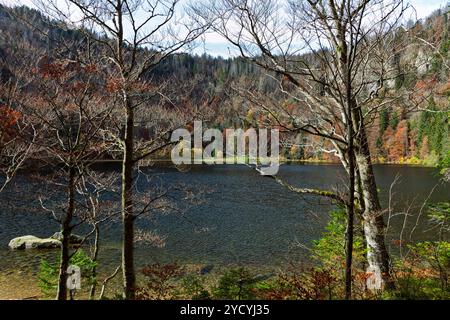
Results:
48 278
236 284
193 287
159 281
310 284
49 272
424 273
329 250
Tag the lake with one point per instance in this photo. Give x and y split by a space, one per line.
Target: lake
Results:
245 218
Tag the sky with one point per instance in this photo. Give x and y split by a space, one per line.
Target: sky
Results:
213 44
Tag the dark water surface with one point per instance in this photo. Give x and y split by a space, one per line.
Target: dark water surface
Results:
246 218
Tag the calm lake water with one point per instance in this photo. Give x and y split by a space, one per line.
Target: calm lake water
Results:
245 219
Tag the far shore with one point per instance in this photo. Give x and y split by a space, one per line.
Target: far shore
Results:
283 161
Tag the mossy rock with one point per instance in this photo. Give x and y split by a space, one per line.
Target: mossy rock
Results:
32 242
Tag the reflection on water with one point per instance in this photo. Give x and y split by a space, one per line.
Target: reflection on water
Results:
246 219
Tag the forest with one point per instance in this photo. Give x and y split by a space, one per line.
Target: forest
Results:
91 92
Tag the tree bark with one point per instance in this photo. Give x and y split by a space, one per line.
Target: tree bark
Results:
127 207
373 222
66 231
351 105
94 259
350 207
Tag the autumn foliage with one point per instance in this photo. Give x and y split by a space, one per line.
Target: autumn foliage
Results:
8 120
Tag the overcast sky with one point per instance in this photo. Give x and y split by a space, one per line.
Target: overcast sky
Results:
215 45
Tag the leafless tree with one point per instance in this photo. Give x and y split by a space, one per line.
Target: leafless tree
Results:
69 109
135 36
14 147
335 61
17 133
97 191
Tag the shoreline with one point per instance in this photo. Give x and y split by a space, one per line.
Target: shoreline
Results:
284 161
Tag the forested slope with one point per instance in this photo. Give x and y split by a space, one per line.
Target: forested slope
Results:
414 130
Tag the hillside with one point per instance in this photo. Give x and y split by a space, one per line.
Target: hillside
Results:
400 133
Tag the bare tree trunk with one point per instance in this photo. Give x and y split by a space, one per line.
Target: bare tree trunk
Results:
129 281
94 259
64 264
349 232
349 121
373 222
350 205
66 231
127 207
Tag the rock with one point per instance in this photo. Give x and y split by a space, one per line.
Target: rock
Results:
74 239
423 63
32 242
